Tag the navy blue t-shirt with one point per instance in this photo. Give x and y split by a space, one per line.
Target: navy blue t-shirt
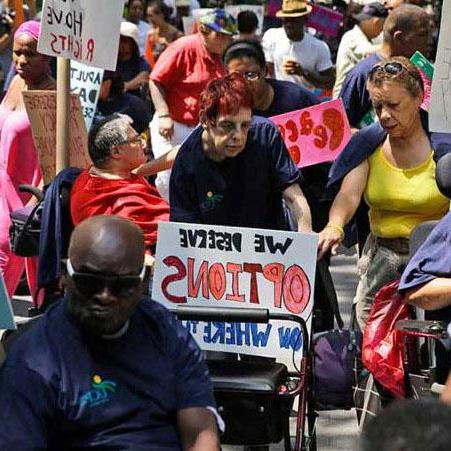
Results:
131 68
245 190
288 96
60 389
432 260
354 94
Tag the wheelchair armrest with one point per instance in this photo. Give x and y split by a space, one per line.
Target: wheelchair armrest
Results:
256 315
435 329
32 190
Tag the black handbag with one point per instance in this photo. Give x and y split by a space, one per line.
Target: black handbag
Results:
25 229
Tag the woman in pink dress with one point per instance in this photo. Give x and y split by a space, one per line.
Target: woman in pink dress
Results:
19 161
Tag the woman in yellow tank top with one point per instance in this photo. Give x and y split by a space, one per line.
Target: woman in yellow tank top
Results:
397 182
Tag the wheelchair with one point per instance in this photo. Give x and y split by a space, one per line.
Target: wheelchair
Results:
426 361
255 398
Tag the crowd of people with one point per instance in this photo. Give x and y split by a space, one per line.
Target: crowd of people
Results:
182 133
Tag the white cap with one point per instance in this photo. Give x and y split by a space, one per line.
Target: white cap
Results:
130 30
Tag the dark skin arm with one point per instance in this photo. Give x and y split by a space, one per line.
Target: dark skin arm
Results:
324 79
198 430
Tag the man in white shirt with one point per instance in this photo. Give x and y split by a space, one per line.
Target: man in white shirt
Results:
294 55
356 44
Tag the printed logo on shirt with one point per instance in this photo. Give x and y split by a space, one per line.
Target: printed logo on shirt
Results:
100 393
211 201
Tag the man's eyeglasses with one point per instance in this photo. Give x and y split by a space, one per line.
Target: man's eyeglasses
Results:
136 140
90 284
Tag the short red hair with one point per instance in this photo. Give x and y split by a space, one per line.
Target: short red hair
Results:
224 96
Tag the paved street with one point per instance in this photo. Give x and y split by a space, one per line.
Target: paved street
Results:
336 430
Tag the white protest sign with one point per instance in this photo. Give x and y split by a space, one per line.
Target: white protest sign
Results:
85 81
259 11
82 30
238 267
440 103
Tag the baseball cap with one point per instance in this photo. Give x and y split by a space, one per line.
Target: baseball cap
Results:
220 21
371 10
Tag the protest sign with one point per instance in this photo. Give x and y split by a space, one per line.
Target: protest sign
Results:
259 11
440 103
315 134
85 81
325 20
6 312
41 109
426 70
238 267
84 30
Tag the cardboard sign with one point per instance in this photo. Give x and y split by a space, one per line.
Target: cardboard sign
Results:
85 81
259 10
6 311
315 134
325 20
41 109
84 30
440 104
238 267
426 70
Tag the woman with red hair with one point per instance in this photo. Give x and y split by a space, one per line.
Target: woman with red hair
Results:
234 169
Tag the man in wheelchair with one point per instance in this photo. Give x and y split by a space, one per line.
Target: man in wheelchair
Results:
110 188
106 368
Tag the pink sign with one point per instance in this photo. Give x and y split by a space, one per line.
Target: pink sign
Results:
325 20
315 134
427 90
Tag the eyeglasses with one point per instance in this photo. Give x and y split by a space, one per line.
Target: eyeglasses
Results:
90 284
136 140
252 76
393 68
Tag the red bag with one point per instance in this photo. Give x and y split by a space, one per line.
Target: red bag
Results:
382 347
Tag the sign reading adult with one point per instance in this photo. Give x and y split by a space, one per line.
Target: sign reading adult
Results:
85 81
41 110
82 30
219 266
315 134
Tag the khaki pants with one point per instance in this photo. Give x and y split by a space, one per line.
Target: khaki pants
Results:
382 261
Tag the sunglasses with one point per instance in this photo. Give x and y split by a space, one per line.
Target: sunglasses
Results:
90 284
393 68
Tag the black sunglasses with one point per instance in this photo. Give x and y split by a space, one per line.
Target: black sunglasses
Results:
90 284
393 68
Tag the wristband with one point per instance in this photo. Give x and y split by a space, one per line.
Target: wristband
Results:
161 116
337 228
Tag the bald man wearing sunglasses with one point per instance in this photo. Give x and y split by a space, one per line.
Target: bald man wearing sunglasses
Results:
105 368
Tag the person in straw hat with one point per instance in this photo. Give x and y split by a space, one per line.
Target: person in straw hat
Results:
298 56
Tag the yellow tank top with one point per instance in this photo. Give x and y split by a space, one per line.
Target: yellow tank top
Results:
399 199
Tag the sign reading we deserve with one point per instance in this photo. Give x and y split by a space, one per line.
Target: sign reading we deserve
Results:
82 30
85 81
238 267
440 104
41 110
316 134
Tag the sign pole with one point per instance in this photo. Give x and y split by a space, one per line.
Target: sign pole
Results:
20 17
62 114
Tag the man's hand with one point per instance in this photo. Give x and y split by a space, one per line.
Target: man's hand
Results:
198 430
292 67
166 127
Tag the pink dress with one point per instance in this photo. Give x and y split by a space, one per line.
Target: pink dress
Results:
18 164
